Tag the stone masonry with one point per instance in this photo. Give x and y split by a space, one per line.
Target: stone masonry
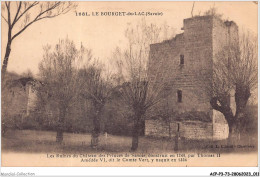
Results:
185 63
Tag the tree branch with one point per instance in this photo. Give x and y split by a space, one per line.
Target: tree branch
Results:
18 10
8 12
214 104
4 19
32 5
192 9
37 18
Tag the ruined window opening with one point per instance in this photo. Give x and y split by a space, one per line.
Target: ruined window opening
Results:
178 127
181 59
179 93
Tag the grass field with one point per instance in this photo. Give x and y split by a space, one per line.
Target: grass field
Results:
34 141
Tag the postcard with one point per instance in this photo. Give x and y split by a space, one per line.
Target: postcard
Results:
129 84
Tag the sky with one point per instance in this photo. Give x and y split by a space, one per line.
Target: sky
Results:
103 34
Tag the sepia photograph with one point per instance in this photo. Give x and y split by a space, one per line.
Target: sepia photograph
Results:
129 84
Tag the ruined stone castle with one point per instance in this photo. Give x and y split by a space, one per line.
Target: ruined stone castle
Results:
184 62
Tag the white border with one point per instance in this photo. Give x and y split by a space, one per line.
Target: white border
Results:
133 171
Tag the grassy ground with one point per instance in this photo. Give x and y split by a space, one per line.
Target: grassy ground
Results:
44 141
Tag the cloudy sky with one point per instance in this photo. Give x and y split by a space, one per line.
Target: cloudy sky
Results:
102 34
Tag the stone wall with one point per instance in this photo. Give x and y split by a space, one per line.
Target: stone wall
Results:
196 130
18 100
202 39
187 129
220 126
32 98
195 44
156 128
14 101
220 131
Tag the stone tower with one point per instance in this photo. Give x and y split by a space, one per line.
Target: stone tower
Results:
186 63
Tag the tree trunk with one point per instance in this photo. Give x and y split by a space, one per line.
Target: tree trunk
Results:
242 95
233 138
60 127
241 98
169 125
7 53
6 58
96 130
135 138
3 129
225 109
135 141
231 132
136 132
59 137
176 145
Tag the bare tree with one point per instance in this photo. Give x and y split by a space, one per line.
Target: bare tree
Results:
235 70
192 8
213 11
96 87
21 14
59 74
139 89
